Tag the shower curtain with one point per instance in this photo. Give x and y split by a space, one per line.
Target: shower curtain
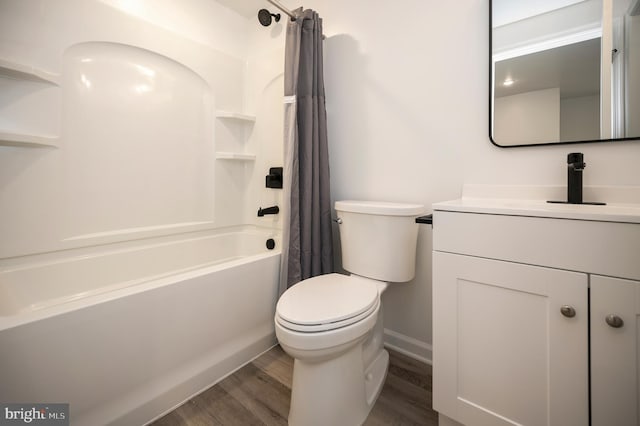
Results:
308 248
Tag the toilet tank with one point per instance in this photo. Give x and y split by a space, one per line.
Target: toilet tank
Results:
378 239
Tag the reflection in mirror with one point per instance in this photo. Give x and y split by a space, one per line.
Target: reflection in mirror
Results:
564 71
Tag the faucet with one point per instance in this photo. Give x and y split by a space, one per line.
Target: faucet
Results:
575 166
268 210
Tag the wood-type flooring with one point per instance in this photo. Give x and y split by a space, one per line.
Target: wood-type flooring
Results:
259 394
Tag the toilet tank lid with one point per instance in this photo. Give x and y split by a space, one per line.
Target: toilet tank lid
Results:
380 208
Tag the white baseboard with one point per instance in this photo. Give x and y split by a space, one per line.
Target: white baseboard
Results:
408 346
446 421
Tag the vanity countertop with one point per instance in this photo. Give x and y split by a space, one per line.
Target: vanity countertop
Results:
623 203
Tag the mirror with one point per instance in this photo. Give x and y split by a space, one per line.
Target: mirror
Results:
564 71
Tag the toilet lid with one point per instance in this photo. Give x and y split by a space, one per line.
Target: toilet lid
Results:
327 302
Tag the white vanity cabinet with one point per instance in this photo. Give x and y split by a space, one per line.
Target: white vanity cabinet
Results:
503 352
615 373
530 326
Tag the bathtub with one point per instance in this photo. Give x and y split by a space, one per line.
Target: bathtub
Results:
124 334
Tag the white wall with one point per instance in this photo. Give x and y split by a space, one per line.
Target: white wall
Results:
507 11
531 117
563 21
633 68
407 103
580 118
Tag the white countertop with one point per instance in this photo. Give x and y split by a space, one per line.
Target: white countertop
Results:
532 201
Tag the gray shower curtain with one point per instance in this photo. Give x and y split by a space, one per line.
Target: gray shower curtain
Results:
308 248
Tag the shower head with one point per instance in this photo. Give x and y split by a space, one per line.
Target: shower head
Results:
264 16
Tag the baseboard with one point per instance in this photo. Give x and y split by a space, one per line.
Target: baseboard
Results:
446 421
408 346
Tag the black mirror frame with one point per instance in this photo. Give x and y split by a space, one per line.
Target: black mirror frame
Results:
491 103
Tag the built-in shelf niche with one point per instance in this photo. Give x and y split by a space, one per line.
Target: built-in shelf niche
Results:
20 73
236 116
27 140
240 118
236 156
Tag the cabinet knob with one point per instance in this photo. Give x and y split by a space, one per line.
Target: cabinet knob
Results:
568 311
614 321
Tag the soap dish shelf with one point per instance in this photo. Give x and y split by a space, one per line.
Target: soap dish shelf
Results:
235 116
28 140
236 156
18 71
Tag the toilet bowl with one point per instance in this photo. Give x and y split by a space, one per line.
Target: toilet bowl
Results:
332 374
332 324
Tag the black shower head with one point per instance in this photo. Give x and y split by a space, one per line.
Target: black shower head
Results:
264 16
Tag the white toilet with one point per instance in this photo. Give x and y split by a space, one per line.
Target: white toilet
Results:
332 324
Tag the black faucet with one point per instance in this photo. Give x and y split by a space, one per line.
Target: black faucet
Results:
575 166
268 210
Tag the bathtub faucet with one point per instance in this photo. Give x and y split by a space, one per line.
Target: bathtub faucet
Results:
268 210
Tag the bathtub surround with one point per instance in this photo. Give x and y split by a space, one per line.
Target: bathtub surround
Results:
113 179
133 134
307 223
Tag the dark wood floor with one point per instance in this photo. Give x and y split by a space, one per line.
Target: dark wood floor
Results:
259 394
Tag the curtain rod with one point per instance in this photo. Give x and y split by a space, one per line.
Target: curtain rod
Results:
283 9
286 11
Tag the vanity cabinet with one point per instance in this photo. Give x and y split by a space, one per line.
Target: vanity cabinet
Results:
503 351
523 303
615 373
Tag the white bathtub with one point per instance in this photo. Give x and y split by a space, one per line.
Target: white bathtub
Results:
126 334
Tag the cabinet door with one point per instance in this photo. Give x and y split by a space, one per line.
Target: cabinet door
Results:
614 352
503 353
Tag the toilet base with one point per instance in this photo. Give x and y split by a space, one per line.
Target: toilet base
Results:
331 392
375 376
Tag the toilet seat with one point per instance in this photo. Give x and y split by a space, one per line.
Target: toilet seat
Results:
327 302
327 326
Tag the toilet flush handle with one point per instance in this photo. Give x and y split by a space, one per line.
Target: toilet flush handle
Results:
338 221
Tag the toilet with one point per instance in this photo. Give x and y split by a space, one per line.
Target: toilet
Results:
331 325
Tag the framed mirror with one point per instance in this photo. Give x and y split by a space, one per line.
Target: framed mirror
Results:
564 71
